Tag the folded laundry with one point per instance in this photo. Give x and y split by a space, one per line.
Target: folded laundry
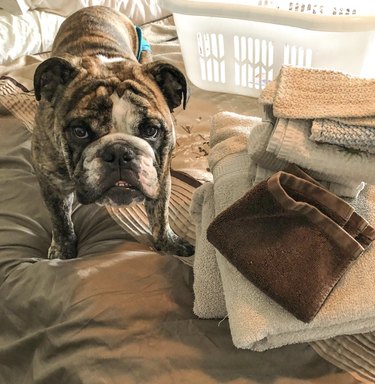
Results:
287 237
256 321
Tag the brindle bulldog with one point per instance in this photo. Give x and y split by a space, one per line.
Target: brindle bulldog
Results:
104 129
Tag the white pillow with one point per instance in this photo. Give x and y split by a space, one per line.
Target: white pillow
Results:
26 34
140 11
33 31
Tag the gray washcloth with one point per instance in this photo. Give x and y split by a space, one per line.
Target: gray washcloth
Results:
358 138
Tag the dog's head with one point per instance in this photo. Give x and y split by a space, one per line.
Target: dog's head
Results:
111 124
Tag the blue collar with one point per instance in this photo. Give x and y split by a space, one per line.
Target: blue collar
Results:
143 44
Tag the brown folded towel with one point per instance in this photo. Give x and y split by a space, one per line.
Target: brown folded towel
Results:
292 239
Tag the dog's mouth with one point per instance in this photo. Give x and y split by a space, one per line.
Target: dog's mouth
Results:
123 192
125 185
118 190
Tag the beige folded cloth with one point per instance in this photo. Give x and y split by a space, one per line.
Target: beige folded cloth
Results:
305 93
258 323
255 321
228 135
290 142
257 144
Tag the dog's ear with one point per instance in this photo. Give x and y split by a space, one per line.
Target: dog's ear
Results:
171 82
51 74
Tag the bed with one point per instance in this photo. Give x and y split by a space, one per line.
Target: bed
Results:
121 312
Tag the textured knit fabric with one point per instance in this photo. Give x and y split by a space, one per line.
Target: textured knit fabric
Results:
358 138
304 93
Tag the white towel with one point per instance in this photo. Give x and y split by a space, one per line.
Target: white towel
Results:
228 161
258 142
228 158
208 289
290 142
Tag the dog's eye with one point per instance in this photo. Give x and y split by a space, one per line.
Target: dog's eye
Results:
149 132
81 132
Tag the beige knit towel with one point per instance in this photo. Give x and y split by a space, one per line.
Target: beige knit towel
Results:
304 93
267 98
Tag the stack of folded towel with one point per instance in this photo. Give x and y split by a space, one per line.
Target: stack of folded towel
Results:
325 123
263 315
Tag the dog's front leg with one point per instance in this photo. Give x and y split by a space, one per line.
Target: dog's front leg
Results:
158 214
64 240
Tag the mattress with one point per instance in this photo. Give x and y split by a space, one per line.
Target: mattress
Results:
121 312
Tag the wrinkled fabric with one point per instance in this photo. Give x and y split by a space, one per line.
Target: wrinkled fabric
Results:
119 313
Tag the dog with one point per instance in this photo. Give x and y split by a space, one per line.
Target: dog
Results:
104 130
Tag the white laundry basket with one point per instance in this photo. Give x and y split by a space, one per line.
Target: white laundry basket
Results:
238 46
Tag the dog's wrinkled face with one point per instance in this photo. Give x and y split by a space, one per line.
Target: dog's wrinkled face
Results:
114 128
115 146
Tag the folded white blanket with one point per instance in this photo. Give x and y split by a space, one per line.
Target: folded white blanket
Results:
257 322
229 162
208 290
290 142
258 142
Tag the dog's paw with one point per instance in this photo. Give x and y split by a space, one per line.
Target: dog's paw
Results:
175 245
66 250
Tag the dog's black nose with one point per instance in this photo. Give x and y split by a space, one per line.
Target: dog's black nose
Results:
118 154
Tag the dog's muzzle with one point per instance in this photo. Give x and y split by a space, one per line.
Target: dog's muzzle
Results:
117 172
